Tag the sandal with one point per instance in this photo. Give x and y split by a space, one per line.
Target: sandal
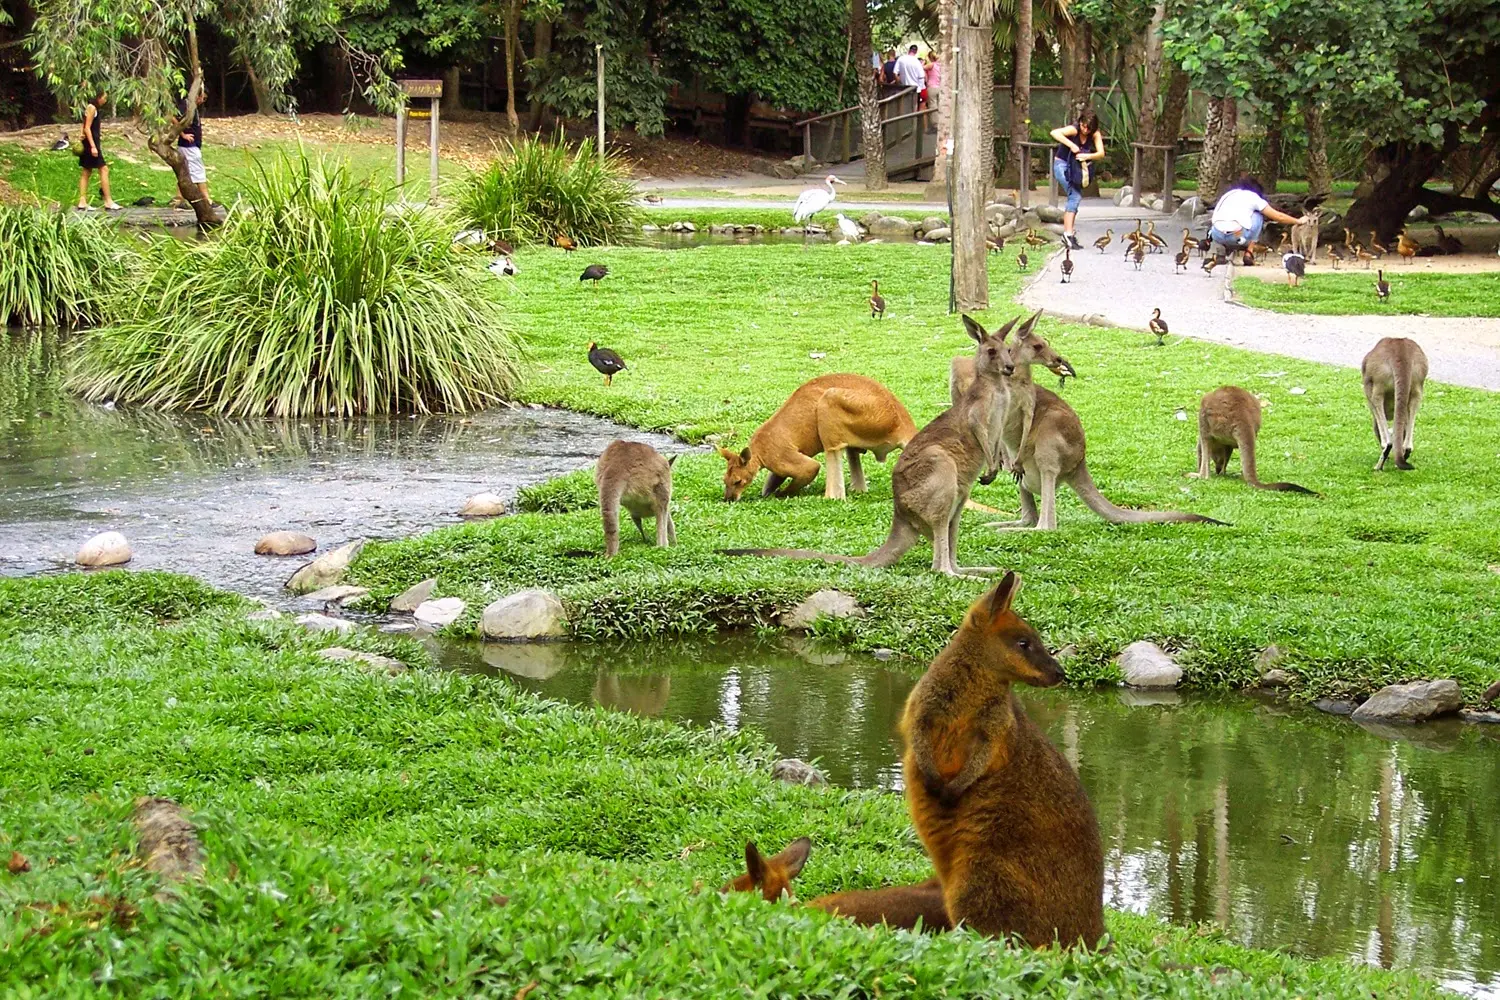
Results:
84 208
114 206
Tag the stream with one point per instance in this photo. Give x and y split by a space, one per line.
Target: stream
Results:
1290 828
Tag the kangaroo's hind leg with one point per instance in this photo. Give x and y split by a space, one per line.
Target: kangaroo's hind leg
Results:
1376 398
1028 517
856 471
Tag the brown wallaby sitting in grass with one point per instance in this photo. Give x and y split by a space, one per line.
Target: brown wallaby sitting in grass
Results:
833 414
634 476
895 906
1004 818
1395 372
1229 418
937 470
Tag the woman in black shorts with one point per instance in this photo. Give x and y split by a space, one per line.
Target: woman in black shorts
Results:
91 158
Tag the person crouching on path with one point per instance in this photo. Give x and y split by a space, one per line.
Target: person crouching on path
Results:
91 157
1241 213
1077 145
190 144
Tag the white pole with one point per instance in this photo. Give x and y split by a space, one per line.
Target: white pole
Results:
599 56
401 148
432 180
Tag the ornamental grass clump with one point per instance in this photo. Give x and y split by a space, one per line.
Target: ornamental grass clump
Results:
313 299
57 268
536 191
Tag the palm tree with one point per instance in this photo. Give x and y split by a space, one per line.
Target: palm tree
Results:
872 132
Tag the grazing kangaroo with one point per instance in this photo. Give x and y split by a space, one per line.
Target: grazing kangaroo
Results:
833 414
635 476
1229 418
937 470
895 906
1004 818
1394 371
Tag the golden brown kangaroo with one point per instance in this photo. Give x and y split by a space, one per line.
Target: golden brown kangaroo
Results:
1004 818
635 476
1395 372
1229 418
895 906
937 470
833 414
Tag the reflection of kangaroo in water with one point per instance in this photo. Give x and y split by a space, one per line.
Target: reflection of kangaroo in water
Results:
640 694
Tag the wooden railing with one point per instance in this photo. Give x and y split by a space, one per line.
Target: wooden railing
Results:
836 137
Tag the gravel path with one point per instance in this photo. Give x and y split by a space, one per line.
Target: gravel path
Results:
1108 290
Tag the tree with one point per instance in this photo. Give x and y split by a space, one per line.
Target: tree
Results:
1220 161
946 10
1020 83
1319 178
872 130
971 280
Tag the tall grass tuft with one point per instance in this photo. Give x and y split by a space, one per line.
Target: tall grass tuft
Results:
56 269
312 299
535 191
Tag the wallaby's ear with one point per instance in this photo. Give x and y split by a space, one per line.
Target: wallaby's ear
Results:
794 856
745 454
975 330
729 456
755 865
1029 325
1001 333
671 460
1004 593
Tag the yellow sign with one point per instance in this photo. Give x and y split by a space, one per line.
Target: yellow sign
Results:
422 88
418 114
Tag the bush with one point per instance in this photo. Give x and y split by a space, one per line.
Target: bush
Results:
57 268
538 190
313 300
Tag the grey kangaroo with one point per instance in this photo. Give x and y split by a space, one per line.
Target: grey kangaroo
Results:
635 476
1394 371
1229 418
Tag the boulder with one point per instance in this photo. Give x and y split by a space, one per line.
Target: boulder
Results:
1268 658
339 593
1275 678
408 600
833 603
285 543
443 611
1123 195
1334 706
373 662
942 234
933 222
527 615
1189 210
650 227
1414 702
1067 652
263 615
1146 665
1055 228
813 229
995 212
761 165
797 772
326 570
869 219
1480 716
323 623
1006 231
108 548
1004 199
1030 220
882 654
1417 214
892 225
1049 213
483 505
786 171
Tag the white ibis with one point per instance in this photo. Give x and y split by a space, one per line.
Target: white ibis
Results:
470 238
849 228
814 200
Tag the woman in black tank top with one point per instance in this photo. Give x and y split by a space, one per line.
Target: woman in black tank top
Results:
91 157
1077 144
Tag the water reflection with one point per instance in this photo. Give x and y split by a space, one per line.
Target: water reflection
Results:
1288 827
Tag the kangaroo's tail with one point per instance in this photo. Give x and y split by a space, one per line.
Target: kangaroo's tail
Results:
1246 440
901 538
1083 485
1400 435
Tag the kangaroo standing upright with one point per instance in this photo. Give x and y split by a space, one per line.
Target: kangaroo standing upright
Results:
1394 372
1229 418
1005 820
636 477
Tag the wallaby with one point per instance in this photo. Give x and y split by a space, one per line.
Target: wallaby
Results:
833 414
635 476
895 906
1305 234
937 470
1229 418
1394 371
1005 820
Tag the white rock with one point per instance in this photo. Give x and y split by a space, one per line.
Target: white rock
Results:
369 661
1412 702
323 623
263 615
1145 665
106 549
285 543
436 614
408 600
529 614
797 772
1275 678
483 505
942 234
325 570
833 603
339 593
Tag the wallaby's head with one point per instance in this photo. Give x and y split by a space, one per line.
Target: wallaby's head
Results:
741 472
991 346
771 876
1006 643
1028 347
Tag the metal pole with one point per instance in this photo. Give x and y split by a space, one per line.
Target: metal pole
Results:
401 147
952 97
432 180
599 56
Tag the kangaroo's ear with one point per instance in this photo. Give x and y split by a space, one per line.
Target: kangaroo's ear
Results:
794 856
975 330
1029 325
755 865
671 460
1001 333
1004 593
745 454
729 456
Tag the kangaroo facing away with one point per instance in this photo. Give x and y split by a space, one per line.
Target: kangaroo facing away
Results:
1003 816
1394 371
895 906
833 414
937 470
1229 418
634 476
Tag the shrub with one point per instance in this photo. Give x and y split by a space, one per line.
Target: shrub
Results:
537 190
314 299
57 268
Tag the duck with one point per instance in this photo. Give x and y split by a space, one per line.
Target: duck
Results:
995 245
1022 261
1382 287
605 361
653 199
501 247
1406 246
1204 246
1158 326
1034 238
1336 255
1103 242
1138 253
1378 248
1209 263
1181 262
61 143
594 273
1350 243
1067 263
564 242
1133 237
1364 256
1154 242
877 301
1447 244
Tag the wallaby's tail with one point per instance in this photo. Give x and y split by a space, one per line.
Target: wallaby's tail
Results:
1399 435
1247 465
901 538
1083 485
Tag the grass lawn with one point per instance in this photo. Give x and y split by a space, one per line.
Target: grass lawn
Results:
436 834
1383 578
1353 293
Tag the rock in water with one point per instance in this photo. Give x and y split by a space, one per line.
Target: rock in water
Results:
339 593
436 614
285 543
483 505
1145 665
373 662
530 614
107 549
1275 678
408 600
797 772
833 603
323 623
1414 702
941 234
325 570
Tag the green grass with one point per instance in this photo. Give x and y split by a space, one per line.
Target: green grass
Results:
438 834
1363 586
56 269
1353 294
535 191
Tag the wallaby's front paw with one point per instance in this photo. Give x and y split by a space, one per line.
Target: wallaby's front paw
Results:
988 477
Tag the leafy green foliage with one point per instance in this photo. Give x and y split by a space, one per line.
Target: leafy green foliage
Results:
313 300
575 491
57 268
536 190
57 603
1354 294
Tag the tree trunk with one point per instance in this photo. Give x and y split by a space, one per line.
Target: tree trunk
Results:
971 279
1393 187
872 133
1475 169
1269 170
944 112
1220 159
512 25
265 104
1076 42
1319 178
986 87
1168 126
1020 84
541 48
450 101
1151 88
164 143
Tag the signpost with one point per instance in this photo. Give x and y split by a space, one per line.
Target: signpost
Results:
432 91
